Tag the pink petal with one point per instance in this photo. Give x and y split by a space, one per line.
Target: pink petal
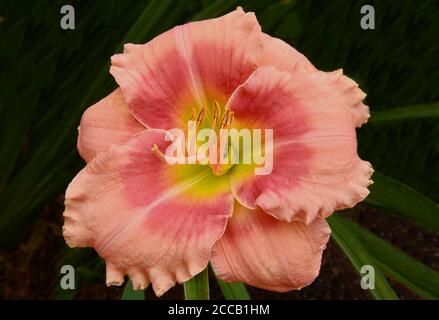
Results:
142 218
264 252
316 168
186 67
281 55
104 124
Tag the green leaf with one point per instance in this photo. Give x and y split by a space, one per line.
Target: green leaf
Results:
198 287
233 291
419 111
393 262
403 200
130 294
359 256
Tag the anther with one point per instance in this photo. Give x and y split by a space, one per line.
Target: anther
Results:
200 117
158 153
224 119
231 116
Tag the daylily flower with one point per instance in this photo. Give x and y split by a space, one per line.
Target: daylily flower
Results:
161 223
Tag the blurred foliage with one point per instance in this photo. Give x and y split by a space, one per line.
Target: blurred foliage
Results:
385 258
49 76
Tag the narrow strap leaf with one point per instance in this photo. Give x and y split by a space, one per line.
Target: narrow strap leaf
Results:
395 263
233 291
198 287
401 199
419 111
359 256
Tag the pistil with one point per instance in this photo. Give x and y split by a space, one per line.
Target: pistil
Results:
160 155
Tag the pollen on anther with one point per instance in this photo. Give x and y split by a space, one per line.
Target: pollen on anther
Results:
231 116
224 119
200 116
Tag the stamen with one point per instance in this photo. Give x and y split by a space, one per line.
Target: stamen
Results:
160 155
231 116
224 119
201 117
193 114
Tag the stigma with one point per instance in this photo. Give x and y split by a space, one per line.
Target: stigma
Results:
160 155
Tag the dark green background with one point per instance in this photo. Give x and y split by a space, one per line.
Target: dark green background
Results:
48 76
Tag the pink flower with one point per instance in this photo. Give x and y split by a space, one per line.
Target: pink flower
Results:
163 223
